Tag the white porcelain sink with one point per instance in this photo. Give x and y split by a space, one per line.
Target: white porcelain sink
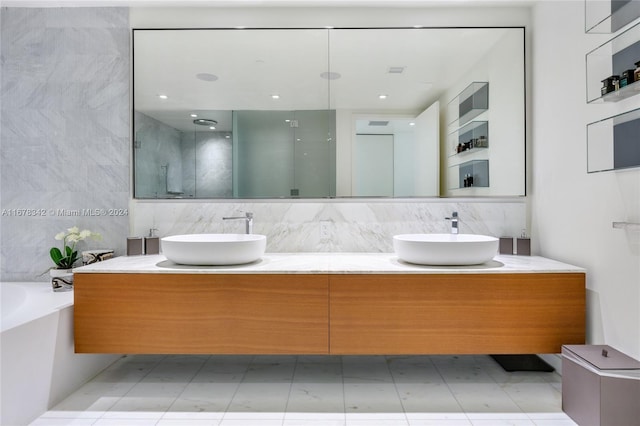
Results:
445 249
214 249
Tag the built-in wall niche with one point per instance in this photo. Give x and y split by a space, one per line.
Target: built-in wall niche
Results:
613 143
469 104
469 138
609 16
613 69
470 174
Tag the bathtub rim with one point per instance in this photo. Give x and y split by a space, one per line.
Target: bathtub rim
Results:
41 301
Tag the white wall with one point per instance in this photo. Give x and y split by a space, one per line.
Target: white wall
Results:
426 166
572 211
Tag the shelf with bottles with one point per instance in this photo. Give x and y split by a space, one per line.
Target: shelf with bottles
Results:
470 174
612 143
607 17
471 137
470 103
613 69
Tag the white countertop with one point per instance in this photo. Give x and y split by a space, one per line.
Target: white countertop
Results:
329 263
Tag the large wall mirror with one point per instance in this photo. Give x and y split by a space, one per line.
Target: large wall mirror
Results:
324 113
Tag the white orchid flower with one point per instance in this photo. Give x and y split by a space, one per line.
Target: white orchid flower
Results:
73 230
73 238
85 233
60 236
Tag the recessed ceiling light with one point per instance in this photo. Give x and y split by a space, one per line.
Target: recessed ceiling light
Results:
330 75
212 127
205 76
194 115
240 27
382 96
275 96
163 96
417 26
287 121
329 27
227 136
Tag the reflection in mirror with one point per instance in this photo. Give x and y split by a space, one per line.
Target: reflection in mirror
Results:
321 112
284 154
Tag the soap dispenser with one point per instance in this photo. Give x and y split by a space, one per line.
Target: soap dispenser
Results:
152 243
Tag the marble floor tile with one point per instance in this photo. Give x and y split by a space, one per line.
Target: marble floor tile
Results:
251 422
376 417
61 421
444 390
306 372
125 422
313 422
483 398
316 397
436 416
439 422
557 422
260 398
377 422
502 422
371 398
338 416
427 397
189 422
193 415
414 370
532 397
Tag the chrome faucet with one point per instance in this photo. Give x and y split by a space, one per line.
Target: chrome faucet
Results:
248 217
454 222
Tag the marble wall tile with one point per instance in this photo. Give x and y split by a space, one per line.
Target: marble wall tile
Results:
352 226
65 131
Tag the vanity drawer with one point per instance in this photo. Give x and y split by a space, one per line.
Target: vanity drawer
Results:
201 313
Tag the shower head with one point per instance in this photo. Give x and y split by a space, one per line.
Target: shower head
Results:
205 122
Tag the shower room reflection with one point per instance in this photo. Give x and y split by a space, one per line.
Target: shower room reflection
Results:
257 154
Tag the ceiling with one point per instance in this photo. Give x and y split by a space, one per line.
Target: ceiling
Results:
412 67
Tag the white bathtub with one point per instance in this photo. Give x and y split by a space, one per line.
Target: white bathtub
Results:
38 366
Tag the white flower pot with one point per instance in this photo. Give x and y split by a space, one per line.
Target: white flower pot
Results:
61 279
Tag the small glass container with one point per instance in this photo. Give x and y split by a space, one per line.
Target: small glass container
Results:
609 84
627 78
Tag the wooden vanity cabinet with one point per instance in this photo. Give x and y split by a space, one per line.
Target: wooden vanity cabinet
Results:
201 313
341 314
456 313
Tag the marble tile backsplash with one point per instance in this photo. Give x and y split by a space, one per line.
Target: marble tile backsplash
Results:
65 140
349 226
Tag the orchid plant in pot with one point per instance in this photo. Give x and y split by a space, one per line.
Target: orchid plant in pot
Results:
62 274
